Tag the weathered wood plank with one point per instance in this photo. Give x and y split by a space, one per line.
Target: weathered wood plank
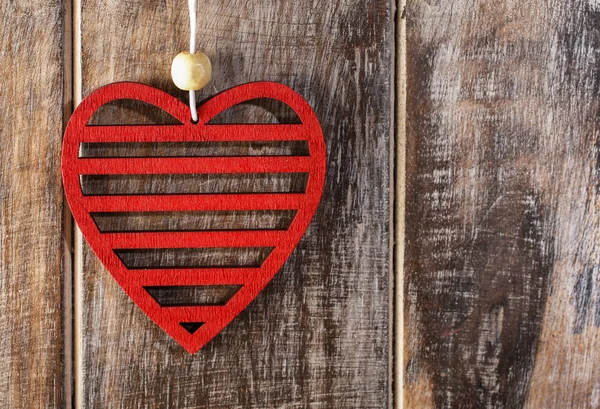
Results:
502 204
318 336
31 212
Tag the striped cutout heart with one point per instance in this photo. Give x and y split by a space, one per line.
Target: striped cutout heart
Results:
176 242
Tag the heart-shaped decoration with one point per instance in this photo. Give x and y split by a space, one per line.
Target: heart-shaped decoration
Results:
143 256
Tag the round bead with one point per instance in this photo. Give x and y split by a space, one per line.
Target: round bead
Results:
191 72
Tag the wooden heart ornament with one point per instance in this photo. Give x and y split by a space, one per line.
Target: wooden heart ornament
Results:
151 253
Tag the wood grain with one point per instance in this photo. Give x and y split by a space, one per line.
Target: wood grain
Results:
318 336
31 213
502 213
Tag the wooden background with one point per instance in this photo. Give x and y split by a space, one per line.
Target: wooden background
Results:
502 300
31 214
498 245
320 334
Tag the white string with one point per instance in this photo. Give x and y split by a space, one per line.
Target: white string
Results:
192 9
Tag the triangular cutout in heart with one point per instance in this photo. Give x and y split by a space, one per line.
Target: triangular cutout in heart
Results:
192 325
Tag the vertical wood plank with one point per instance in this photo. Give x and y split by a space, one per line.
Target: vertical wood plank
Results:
318 335
31 212
502 205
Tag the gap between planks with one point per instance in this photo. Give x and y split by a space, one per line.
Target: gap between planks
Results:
399 104
77 272
68 223
67 218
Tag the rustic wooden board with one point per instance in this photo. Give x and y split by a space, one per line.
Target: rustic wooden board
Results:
318 335
31 214
502 296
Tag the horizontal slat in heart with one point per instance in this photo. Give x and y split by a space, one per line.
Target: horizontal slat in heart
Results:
142 259
192 149
185 239
247 201
158 166
227 220
184 133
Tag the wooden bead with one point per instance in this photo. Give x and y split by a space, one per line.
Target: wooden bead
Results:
191 72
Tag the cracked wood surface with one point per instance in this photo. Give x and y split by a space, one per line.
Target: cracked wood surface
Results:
502 219
31 212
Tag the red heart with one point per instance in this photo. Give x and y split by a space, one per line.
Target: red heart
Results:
193 326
